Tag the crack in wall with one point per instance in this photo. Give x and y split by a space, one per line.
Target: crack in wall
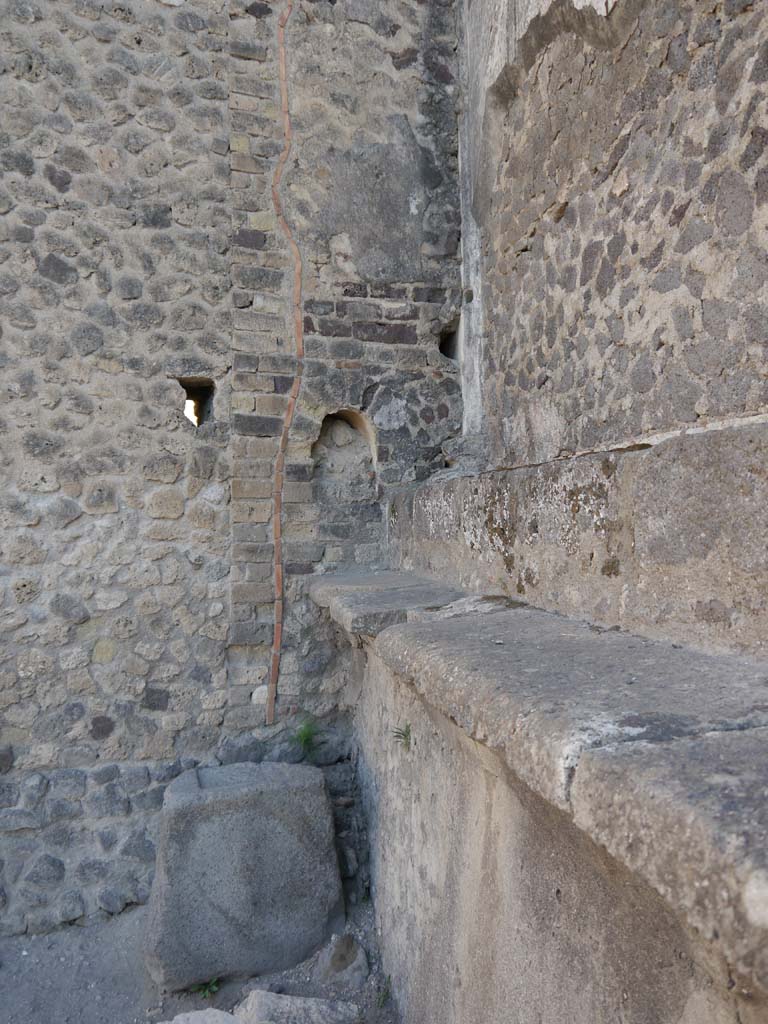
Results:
278 480
643 442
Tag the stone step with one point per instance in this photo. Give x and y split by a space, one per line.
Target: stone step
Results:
366 603
659 753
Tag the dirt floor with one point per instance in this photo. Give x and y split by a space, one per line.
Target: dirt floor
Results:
95 975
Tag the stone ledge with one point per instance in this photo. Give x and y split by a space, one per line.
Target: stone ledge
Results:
658 753
367 603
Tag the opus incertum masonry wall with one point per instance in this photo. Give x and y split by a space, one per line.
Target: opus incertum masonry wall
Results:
144 256
615 185
366 239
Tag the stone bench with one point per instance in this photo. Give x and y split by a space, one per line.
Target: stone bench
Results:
657 753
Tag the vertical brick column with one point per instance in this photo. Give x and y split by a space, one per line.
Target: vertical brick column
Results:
262 372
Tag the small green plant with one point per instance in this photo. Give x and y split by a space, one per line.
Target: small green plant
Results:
306 736
208 989
403 735
385 993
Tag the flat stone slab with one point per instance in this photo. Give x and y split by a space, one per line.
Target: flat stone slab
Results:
659 753
247 877
268 1008
691 816
541 688
367 603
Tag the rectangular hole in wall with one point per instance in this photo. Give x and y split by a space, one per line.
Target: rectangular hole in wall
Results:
449 342
198 400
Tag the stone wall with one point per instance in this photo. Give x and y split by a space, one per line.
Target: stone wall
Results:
267 199
625 274
196 193
370 192
115 544
615 352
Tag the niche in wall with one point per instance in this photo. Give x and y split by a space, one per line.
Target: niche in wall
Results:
343 456
449 341
345 489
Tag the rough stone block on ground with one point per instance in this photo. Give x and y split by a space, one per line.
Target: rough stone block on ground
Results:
268 1008
343 961
247 876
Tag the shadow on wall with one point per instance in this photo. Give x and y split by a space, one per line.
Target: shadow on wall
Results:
345 489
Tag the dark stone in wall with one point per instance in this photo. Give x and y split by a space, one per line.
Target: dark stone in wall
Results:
57 269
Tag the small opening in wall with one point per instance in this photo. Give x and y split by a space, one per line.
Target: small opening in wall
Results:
449 342
198 400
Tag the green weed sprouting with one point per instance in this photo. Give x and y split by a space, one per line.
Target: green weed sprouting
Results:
403 735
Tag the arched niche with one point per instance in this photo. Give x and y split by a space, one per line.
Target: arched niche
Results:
344 455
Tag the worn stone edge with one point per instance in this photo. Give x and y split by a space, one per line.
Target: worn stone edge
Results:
391 644
338 592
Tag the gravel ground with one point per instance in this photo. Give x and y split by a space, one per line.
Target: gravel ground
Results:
95 975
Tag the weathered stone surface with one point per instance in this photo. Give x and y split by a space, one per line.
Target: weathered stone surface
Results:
142 257
247 879
691 816
544 693
543 688
114 209
665 541
368 603
519 905
343 961
167 503
618 295
583 267
268 1008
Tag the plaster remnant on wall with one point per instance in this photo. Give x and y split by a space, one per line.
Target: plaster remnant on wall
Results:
756 899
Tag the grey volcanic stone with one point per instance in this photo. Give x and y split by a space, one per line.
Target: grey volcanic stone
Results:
71 907
111 900
56 269
70 608
368 603
268 1008
46 871
247 878
236 750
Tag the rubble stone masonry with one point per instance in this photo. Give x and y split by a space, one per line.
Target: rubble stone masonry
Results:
615 176
478 289
140 251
